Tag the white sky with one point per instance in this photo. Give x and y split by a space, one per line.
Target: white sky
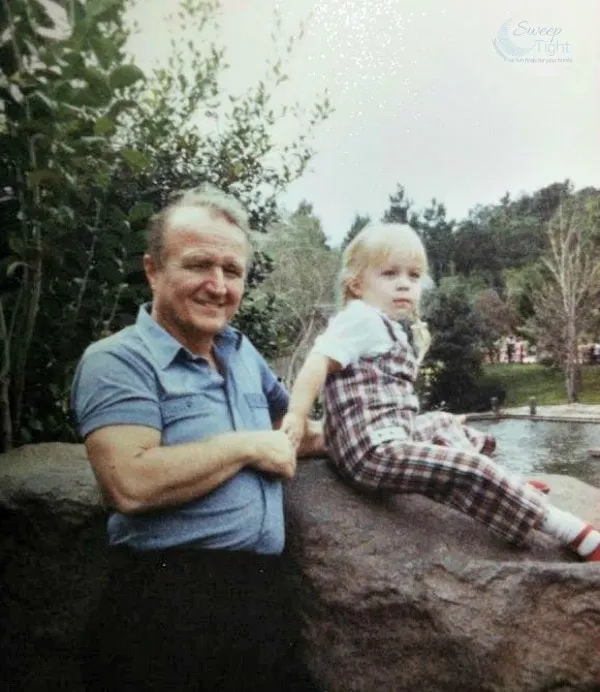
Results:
422 96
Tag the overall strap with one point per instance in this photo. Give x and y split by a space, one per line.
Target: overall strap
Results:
407 330
390 328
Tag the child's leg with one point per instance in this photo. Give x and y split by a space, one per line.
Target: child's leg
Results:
447 429
485 444
476 486
467 481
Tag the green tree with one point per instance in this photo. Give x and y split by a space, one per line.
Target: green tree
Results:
89 150
303 282
193 133
436 231
61 98
400 207
357 225
494 317
476 250
564 304
455 357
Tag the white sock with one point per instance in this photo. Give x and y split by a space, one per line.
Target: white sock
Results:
566 527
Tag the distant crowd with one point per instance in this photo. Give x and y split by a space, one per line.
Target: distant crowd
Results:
512 349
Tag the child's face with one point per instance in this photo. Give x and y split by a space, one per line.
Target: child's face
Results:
393 285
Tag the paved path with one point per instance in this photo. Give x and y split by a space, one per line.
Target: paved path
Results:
576 412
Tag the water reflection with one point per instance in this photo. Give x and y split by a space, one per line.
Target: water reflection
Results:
528 446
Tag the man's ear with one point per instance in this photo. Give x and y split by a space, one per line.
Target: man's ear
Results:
150 269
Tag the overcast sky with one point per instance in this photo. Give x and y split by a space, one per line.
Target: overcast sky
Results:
454 100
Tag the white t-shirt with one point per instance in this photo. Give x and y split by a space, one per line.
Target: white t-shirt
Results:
357 330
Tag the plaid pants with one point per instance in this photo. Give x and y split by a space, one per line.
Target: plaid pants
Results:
466 480
378 442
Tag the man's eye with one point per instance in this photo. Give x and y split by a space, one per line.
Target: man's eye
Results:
233 271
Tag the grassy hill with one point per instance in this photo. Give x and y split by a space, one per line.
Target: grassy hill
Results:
544 383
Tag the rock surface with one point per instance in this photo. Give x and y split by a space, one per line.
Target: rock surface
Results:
401 594
53 564
405 594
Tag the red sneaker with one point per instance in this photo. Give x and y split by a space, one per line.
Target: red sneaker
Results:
594 556
540 485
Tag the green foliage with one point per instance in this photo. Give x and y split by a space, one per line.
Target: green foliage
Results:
400 207
174 126
570 269
303 282
89 148
545 383
57 156
454 355
357 225
436 231
505 236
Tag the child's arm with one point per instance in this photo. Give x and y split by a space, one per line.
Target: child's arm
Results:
307 387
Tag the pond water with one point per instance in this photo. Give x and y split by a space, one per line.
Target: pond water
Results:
527 446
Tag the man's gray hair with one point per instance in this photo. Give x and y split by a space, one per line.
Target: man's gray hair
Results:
205 196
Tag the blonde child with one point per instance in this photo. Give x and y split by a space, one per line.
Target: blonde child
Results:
366 366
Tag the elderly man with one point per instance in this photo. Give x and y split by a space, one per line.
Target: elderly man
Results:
179 414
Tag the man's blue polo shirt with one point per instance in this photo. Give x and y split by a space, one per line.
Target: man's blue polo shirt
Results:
143 376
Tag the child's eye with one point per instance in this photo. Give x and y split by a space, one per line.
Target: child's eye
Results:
389 272
415 274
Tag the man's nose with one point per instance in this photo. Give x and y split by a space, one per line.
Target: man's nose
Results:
216 281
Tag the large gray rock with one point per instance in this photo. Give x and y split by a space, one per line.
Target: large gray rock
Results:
398 595
53 557
406 594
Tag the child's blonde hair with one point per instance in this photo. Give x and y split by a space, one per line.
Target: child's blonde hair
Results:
372 245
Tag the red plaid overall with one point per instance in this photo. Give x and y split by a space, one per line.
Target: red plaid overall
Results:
378 442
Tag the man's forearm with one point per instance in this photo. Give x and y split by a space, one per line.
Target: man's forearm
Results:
188 471
139 475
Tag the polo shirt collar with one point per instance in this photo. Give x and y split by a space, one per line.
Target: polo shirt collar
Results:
165 347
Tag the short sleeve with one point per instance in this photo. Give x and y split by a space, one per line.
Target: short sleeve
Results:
351 333
275 393
108 389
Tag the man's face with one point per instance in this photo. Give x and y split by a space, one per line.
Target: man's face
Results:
199 284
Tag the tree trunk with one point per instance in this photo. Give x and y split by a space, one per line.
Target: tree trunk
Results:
572 361
6 430
18 375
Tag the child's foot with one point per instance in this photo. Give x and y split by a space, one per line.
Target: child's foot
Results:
489 446
587 544
540 485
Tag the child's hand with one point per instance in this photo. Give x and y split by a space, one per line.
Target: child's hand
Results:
294 426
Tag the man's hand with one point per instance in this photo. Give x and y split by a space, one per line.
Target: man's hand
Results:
273 453
294 426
